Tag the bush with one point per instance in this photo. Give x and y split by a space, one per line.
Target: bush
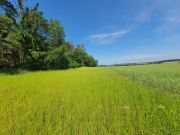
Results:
57 59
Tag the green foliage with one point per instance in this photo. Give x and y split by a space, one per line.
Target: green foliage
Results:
80 56
29 40
36 60
56 33
90 62
57 59
11 53
9 9
36 26
6 24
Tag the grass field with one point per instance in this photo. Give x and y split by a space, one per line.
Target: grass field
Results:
162 76
141 100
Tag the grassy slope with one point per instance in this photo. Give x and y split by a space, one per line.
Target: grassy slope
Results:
162 76
85 101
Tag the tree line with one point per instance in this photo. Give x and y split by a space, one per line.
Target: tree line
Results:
28 40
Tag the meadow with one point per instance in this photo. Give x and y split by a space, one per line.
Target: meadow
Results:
131 100
164 76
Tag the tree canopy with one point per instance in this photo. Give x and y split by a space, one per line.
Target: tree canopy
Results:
28 40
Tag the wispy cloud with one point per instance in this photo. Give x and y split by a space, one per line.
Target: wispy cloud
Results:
139 58
144 16
173 19
169 18
163 12
107 38
148 57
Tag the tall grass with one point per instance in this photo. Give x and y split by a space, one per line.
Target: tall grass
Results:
84 101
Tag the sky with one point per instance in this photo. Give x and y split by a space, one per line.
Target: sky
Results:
119 31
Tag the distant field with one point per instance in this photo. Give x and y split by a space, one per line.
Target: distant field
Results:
162 76
142 100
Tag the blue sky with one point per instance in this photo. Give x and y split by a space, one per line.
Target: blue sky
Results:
119 31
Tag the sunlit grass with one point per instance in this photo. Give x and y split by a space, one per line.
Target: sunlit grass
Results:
85 101
162 76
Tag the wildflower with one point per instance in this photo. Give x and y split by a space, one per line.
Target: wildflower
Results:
161 107
125 107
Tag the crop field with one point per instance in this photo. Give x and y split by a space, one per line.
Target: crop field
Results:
130 100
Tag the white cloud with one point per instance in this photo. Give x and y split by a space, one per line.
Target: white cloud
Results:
169 19
173 19
144 16
107 38
165 12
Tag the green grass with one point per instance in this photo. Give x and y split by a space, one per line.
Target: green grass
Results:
162 76
103 101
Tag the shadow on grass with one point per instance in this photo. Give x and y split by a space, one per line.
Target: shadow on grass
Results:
19 71
10 71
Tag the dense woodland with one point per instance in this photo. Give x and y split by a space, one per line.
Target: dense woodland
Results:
28 40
